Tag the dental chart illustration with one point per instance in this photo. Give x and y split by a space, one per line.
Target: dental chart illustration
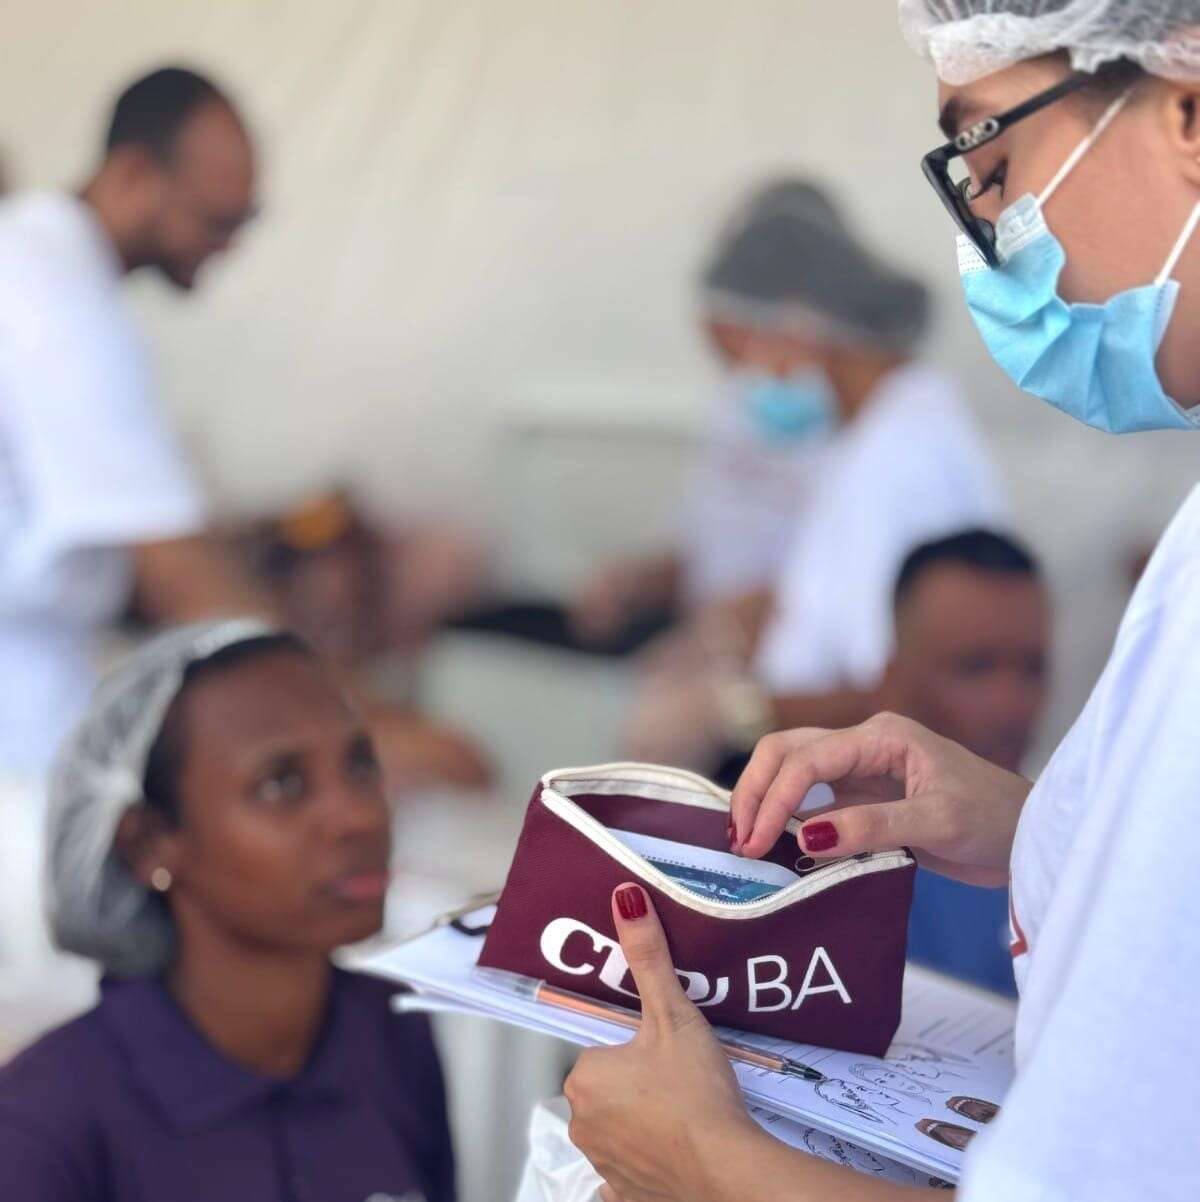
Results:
903 1088
838 1150
868 1102
943 1077
895 1080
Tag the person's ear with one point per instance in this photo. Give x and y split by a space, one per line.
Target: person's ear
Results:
149 845
1181 114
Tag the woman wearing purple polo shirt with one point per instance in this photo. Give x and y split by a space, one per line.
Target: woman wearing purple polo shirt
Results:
217 829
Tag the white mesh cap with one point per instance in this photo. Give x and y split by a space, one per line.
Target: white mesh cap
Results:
788 260
94 905
967 39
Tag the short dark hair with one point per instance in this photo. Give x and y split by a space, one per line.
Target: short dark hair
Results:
164 763
152 110
986 550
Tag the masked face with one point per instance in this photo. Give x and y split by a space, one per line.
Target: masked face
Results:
788 409
1092 221
779 380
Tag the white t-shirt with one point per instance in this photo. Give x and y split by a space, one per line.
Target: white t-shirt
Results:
909 468
87 467
1106 926
740 509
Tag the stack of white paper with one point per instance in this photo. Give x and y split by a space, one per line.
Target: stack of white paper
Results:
896 1117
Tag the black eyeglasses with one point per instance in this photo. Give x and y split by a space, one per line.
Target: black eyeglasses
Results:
955 194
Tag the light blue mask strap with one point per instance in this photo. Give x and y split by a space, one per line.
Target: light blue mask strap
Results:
1073 158
1023 222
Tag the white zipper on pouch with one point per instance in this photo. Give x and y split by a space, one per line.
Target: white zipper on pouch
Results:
680 787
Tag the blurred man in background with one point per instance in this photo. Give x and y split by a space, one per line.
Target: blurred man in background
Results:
971 622
972 633
99 501
822 328
98 506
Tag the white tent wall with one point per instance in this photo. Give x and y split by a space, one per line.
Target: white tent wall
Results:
481 207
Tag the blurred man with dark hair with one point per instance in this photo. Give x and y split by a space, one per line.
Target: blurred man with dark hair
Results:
971 617
100 503
972 635
98 506
177 180
972 641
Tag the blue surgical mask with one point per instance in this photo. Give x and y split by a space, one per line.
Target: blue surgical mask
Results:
798 406
1095 362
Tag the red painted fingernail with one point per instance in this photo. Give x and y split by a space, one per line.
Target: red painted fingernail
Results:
819 836
631 903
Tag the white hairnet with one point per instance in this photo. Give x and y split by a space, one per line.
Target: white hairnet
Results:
967 39
95 906
787 259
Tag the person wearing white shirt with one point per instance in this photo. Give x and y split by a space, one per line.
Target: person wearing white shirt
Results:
766 285
97 503
1072 171
826 336
96 499
910 469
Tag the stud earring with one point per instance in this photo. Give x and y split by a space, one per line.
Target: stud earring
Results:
161 879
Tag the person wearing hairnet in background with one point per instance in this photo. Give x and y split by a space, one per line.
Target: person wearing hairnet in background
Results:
825 332
764 430
1072 172
217 828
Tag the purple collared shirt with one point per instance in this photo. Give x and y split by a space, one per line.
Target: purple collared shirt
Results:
129 1103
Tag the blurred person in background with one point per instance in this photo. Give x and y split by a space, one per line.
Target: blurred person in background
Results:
972 632
764 430
972 647
901 463
98 501
218 828
98 507
97 504
366 596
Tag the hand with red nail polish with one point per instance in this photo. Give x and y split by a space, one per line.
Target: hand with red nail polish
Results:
635 1108
819 836
895 784
631 902
662 1118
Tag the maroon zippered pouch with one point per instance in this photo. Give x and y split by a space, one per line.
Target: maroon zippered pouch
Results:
783 946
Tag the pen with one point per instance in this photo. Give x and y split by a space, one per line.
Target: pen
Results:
563 999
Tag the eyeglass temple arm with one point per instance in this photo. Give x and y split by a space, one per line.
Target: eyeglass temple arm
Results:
1010 117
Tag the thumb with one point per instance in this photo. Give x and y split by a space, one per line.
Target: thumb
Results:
649 958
